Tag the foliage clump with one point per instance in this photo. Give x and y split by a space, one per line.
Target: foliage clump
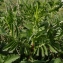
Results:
31 31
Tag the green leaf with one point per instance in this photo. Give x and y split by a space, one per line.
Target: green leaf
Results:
43 55
28 25
37 54
7 46
52 49
57 60
2 58
13 47
46 50
25 51
11 58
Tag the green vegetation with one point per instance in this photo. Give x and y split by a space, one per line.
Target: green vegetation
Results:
31 31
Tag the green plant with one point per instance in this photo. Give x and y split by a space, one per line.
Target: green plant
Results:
31 31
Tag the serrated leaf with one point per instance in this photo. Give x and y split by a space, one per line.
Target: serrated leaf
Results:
11 58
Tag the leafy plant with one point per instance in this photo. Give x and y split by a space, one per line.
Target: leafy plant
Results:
31 32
